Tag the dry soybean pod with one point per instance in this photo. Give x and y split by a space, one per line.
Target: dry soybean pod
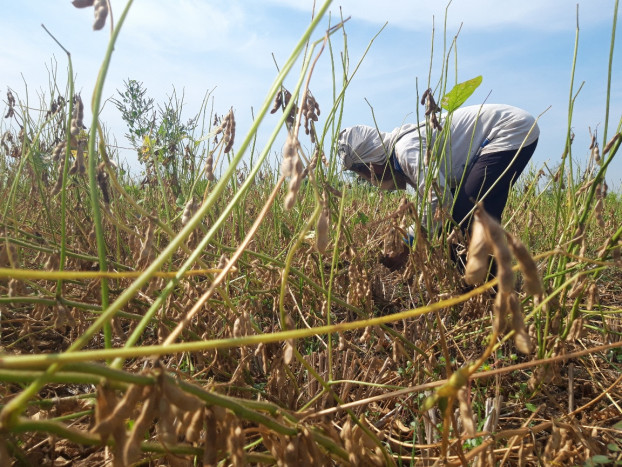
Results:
479 253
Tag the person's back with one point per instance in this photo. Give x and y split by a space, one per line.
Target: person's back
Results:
482 129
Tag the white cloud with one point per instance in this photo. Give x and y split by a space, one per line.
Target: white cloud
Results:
184 25
417 14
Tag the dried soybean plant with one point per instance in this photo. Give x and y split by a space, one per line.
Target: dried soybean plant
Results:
488 237
291 164
291 167
431 109
77 124
100 10
255 400
322 238
281 101
177 415
10 101
309 110
209 167
77 119
227 128
489 241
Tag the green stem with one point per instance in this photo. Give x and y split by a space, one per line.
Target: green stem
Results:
26 361
567 154
288 263
63 192
11 411
318 288
613 41
25 425
70 254
195 221
331 281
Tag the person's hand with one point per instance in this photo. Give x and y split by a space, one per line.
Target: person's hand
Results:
397 261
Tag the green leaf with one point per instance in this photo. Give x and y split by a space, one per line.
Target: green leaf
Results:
531 407
460 93
442 404
600 459
38 162
429 402
361 218
613 447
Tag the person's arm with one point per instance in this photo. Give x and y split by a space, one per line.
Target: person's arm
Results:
437 194
431 187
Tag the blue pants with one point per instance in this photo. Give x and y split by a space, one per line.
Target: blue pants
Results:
485 171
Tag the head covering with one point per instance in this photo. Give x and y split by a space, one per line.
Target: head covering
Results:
362 144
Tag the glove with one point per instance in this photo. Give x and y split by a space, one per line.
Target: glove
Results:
409 239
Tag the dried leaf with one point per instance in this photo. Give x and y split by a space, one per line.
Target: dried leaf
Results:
101 13
78 116
533 282
166 427
466 412
278 102
110 418
288 353
500 311
576 330
321 240
521 337
611 142
229 132
131 450
82 3
195 426
479 252
180 398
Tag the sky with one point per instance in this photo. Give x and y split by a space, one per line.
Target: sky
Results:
523 50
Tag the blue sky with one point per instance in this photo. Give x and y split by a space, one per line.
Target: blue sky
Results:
522 49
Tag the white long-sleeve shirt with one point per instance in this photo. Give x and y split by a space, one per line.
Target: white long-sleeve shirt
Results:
474 130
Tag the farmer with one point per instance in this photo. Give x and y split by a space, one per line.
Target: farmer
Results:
478 155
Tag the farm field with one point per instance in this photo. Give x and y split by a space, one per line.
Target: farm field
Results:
220 310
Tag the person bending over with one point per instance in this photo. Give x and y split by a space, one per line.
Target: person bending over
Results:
475 155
